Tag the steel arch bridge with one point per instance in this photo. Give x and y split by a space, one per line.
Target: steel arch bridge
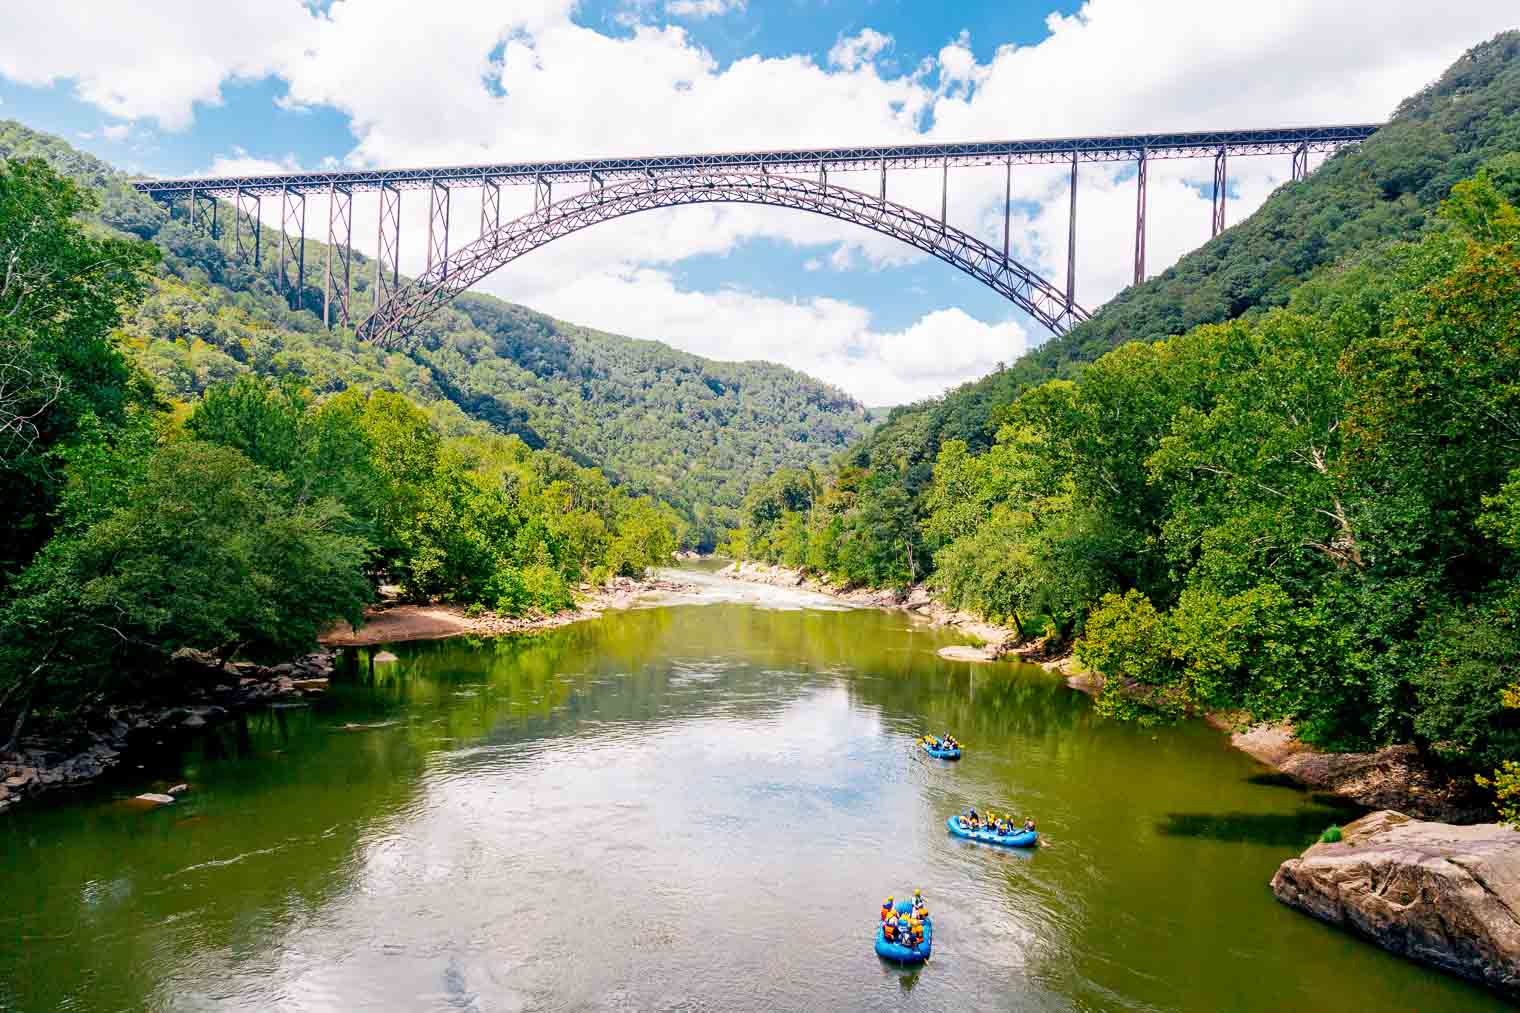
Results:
416 301
616 187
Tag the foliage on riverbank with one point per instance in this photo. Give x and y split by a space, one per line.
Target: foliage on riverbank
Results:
243 524
1304 516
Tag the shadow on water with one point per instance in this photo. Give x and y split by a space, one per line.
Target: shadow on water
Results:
1276 779
1289 830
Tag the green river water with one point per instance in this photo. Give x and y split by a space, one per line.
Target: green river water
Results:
695 806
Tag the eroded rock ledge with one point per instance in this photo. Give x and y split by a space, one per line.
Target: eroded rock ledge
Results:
1445 895
102 736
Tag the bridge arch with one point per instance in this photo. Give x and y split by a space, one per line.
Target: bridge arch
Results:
391 322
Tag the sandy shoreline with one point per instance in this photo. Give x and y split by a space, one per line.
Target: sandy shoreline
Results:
397 623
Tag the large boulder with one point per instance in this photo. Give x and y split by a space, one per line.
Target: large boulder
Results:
1447 895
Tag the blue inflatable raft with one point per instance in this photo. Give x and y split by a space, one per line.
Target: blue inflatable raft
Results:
896 952
942 754
1022 839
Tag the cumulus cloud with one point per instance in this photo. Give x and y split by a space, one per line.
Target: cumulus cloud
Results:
561 89
863 47
147 59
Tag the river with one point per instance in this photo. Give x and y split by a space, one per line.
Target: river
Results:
697 805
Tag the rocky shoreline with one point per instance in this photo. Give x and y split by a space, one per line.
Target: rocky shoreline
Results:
1395 777
106 735
218 693
1444 895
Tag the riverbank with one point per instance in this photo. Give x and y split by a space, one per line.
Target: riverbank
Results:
102 738
1395 777
394 623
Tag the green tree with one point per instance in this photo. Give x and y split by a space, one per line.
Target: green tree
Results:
62 290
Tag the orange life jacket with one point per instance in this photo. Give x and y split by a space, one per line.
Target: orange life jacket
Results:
890 931
886 911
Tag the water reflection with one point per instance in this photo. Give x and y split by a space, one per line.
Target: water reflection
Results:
693 807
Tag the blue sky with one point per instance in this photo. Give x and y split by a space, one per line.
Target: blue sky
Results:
164 90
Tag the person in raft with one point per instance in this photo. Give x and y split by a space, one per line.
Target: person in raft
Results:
918 903
1029 825
887 909
947 741
916 927
889 928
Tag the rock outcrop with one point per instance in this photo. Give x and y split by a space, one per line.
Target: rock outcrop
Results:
1442 894
214 693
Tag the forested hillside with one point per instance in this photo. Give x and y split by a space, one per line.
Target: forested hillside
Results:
1385 189
692 431
133 526
1303 507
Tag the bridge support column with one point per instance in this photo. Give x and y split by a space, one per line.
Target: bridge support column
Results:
1301 163
340 237
883 180
1140 218
944 195
438 227
388 246
293 214
200 205
543 193
1007 205
247 207
490 206
1221 190
1071 241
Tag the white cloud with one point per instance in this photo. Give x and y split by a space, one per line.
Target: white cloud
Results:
115 131
565 90
146 59
863 47
698 9
826 338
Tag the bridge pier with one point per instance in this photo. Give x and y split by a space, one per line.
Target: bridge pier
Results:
388 246
490 206
438 226
1007 204
340 235
1221 190
944 196
1301 163
1140 218
240 213
293 213
1071 241
543 193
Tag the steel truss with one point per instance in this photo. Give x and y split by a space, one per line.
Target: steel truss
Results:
293 243
203 216
246 209
340 236
1114 148
388 247
394 319
438 226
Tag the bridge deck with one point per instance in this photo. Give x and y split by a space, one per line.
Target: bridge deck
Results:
1115 148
